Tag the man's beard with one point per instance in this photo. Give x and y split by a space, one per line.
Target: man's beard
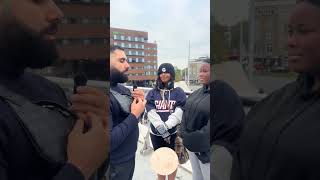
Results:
21 47
117 77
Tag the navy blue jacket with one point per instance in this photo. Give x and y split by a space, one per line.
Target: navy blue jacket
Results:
124 132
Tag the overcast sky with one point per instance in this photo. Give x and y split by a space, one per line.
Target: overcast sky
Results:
172 23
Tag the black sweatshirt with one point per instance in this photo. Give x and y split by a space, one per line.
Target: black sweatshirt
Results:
228 115
280 140
18 158
195 124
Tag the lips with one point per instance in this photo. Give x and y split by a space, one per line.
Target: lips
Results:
49 33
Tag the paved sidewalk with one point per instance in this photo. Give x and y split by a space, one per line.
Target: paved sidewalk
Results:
143 170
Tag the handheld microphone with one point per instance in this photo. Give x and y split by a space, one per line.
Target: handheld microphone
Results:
79 79
135 87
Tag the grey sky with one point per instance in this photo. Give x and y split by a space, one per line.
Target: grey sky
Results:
172 23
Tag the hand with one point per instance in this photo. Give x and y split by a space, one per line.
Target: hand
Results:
167 140
89 99
138 93
137 107
87 151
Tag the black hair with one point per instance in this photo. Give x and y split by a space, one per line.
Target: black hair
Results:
114 48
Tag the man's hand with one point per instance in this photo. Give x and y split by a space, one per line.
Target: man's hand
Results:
87 151
138 93
89 99
137 107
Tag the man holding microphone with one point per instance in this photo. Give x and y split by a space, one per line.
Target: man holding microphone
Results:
125 109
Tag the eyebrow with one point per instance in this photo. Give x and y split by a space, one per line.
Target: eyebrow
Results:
123 59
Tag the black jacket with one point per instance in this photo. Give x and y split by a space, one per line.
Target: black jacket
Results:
280 138
228 115
18 157
124 130
195 125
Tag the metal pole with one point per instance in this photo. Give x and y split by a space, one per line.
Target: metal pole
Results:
241 42
251 38
188 82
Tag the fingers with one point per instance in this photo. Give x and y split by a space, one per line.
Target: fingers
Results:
88 99
78 127
144 102
96 122
81 115
82 108
105 122
138 93
89 90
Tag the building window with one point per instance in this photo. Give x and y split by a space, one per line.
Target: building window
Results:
122 44
142 53
114 36
65 21
268 36
142 46
122 37
129 53
134 60
269 49
130 59
72 20
129 45
135 38
65 41
129 38
85 20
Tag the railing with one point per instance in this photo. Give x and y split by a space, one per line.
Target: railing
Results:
67 85
147 89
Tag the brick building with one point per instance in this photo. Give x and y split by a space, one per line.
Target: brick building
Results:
142 55
271 21
83 39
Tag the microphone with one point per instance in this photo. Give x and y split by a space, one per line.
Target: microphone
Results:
135 87
79 79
